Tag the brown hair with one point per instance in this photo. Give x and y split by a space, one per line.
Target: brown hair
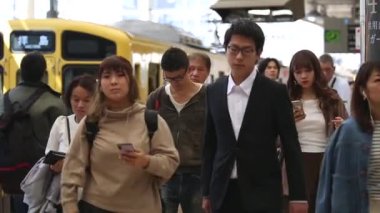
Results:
116 63
359 104
328 98
204 57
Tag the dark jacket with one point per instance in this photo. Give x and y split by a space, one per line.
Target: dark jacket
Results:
43 112
268 114
187 127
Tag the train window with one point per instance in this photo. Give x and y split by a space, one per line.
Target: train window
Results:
72 70
43 41
76 45
1 46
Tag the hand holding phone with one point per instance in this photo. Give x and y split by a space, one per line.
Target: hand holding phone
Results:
134 157
298 111
126 147
337 121
297 105
53 156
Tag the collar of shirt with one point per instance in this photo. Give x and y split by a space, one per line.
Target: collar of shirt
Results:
246 85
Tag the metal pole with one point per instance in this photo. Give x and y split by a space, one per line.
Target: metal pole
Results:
372 30
30 11
53 12
363 29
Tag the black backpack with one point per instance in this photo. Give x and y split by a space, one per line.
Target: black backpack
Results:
19 146
151 122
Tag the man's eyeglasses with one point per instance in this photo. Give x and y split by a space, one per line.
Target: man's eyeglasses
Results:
174 79
245 51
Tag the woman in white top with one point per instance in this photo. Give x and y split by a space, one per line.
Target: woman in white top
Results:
320 113
78 97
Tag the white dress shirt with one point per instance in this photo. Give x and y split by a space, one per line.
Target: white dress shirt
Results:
237 98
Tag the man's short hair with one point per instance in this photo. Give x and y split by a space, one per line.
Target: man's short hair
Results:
33 67
174 59
204 57
247 28
326 58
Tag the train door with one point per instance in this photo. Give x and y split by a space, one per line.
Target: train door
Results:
137 74
82 54
2 62
153 77
70 71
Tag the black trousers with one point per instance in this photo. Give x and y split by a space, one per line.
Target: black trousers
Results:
232 201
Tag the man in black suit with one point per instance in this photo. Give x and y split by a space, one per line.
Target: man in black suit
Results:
245 114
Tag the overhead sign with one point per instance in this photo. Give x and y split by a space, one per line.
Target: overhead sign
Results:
231 10
332 35
353 38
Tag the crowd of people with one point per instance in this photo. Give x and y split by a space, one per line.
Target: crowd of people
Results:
245 143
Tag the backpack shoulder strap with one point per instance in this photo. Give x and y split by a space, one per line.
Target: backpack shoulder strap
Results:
32 99
151 121
7 102
157 100
92 129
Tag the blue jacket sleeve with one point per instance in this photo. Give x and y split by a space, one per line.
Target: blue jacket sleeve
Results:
323 200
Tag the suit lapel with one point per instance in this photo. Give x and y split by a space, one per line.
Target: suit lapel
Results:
224 107
253 102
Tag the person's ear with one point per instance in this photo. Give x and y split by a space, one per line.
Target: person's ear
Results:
363 93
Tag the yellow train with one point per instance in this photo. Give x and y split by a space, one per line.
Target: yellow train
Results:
72 48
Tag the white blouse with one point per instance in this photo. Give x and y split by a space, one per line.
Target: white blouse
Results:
312 129
58 138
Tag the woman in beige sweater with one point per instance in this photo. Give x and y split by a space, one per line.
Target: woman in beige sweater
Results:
114 180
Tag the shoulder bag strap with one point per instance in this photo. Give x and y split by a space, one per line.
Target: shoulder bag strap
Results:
68 129
333 82
33 98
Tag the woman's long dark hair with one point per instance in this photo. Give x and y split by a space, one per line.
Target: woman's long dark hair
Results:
328 98
359 104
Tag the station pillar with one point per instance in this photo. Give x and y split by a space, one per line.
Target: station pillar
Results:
370 26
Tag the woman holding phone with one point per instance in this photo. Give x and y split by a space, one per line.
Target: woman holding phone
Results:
77 98
113 179
318 110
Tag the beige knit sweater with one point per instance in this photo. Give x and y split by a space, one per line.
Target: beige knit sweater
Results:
111 183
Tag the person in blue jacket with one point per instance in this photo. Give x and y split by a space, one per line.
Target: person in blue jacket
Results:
350 174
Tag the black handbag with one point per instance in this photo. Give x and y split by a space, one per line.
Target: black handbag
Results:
85 207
